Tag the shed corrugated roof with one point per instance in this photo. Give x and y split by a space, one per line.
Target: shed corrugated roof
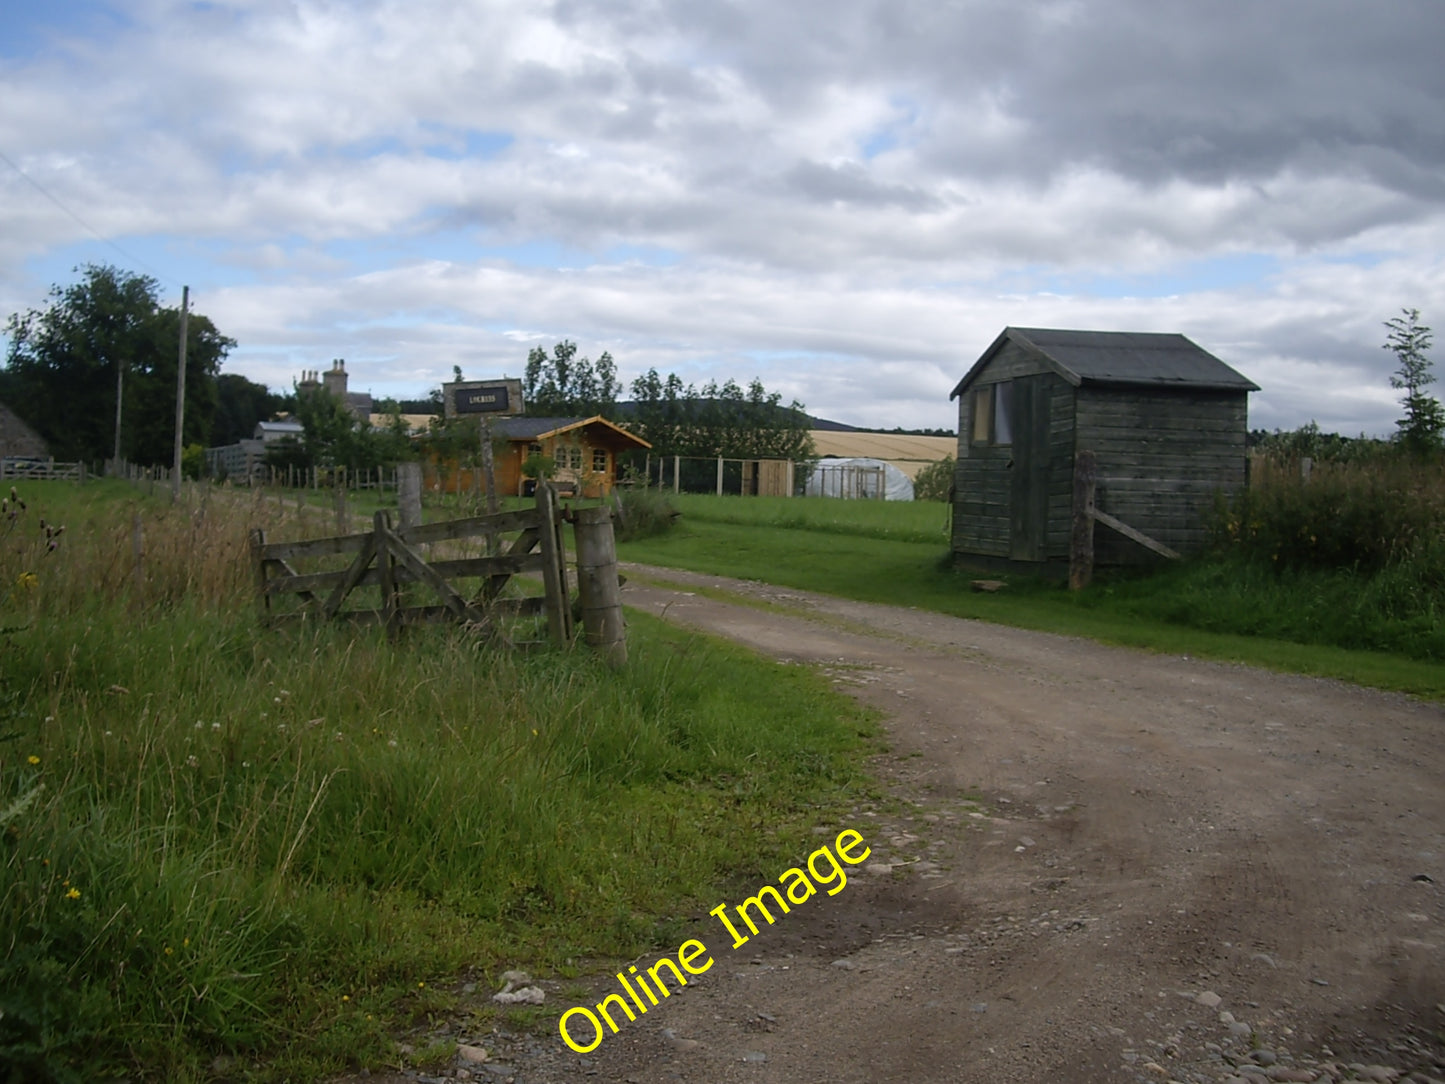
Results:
1120 357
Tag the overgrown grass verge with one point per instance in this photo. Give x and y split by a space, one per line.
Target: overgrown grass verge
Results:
1214 609
277 846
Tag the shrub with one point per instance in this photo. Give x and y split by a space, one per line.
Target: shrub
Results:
642 512
1354 516
935 481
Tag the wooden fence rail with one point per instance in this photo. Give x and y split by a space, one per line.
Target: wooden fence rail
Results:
27 467
387 557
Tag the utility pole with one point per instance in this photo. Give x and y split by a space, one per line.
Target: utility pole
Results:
180 396
119 388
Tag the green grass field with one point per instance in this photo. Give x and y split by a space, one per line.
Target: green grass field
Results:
1312 623
282 846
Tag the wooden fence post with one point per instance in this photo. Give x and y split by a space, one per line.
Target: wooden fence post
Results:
554 574
1081 541
598 585
386 566
408 494
339 496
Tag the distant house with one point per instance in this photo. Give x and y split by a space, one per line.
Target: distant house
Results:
18 439
334 381
585 452
1166 420
271 432
244 459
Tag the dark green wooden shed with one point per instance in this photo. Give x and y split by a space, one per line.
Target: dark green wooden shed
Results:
1165 419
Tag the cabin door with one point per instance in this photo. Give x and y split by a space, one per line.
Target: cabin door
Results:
1029 481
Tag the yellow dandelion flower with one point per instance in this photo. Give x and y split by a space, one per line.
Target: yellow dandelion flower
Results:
32 759
170 951
345 997
186 943
420 985
73 894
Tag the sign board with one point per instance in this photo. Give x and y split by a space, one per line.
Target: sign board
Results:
482 397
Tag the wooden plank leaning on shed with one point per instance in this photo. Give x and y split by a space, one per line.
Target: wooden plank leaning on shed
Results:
1081 542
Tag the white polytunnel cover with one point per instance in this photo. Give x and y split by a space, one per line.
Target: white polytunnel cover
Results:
859 479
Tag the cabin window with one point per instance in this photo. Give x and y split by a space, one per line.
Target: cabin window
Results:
569 457
534 449
599 460
992 405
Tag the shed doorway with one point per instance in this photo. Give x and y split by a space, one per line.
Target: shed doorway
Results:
1029 483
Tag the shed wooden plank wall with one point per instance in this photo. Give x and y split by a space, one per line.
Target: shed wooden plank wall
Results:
1063 425
1162 455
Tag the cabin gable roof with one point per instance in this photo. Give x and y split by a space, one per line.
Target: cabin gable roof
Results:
525 428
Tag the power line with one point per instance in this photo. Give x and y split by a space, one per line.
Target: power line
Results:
84 224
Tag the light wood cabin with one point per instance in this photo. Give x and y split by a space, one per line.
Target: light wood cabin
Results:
585 451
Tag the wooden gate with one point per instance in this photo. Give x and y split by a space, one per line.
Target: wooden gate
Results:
387 557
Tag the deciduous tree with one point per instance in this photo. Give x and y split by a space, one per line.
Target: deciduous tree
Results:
62 361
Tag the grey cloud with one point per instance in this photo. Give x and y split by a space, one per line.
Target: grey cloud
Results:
850 183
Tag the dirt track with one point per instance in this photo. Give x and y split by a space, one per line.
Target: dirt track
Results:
1094 841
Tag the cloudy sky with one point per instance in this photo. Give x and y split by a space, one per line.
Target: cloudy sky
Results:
848 199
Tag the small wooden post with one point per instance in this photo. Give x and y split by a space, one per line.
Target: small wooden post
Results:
489 470
1081 541
489 476
408 494
138 549
719 475
258 569
598 585
677 474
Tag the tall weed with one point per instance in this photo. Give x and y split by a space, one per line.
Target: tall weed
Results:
1357 516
